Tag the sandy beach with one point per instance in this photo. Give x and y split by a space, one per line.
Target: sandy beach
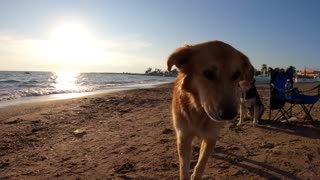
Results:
129 135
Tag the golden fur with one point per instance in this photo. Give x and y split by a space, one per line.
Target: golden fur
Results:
204 95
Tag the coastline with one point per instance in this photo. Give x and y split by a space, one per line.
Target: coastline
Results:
54 97
129 135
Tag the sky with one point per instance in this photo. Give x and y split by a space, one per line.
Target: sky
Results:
132 35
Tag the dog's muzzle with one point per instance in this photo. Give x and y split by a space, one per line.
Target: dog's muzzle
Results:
218 117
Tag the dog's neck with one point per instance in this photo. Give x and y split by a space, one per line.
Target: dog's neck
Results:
251 93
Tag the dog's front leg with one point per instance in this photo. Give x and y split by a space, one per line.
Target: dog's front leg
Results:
242 114
256 116
205 151
184 151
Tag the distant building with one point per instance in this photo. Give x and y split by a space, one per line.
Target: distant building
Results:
308 73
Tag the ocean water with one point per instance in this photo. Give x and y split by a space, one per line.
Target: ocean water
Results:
22 87
17 85
296 80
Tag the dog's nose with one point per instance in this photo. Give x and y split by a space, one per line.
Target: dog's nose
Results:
228 112
227 115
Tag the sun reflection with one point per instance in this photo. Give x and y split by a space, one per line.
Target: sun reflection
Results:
66 81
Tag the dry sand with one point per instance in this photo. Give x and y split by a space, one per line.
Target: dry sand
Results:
129 135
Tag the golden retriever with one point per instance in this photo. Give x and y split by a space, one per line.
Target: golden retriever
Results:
205 94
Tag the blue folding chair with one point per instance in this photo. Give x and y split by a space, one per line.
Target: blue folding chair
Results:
278 97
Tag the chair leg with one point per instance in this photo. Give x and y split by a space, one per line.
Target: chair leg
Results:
282 113
285 115
307 112
276 118
288 112
291 107
270 111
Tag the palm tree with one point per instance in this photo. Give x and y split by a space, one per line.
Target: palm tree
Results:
269 71
148 70
293 68
264 69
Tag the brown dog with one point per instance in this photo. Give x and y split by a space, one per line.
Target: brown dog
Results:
250 103
204 95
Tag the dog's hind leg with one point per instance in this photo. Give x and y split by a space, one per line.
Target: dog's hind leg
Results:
242 114
258 112
205 151
184 150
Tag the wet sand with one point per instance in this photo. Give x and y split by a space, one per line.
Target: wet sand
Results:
129 135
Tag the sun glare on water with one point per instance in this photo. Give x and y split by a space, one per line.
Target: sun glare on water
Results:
66 81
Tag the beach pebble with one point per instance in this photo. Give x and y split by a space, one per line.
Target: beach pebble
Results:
79 133
3 164
267 145
124 168
13 121
35 121
235 172
310 157
167 131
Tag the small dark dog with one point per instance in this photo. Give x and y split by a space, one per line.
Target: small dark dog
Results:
250 102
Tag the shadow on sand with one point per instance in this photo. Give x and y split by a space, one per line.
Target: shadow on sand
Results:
259 168
266 170
304 130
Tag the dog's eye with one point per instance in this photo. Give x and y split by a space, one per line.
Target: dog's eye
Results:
210 75
236 76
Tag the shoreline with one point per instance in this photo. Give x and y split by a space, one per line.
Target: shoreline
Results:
32 106
64 96
53 97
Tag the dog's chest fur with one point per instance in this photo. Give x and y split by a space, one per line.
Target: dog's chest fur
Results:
248 103
251 99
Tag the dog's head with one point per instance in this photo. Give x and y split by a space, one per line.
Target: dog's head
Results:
247 90
211 72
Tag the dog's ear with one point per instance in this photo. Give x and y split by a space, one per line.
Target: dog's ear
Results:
247 69
180 58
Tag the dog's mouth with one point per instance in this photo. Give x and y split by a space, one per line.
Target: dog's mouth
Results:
213 115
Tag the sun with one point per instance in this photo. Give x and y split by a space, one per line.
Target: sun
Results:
70 33
70 43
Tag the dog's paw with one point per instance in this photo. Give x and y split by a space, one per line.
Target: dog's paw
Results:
239 123
255 124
